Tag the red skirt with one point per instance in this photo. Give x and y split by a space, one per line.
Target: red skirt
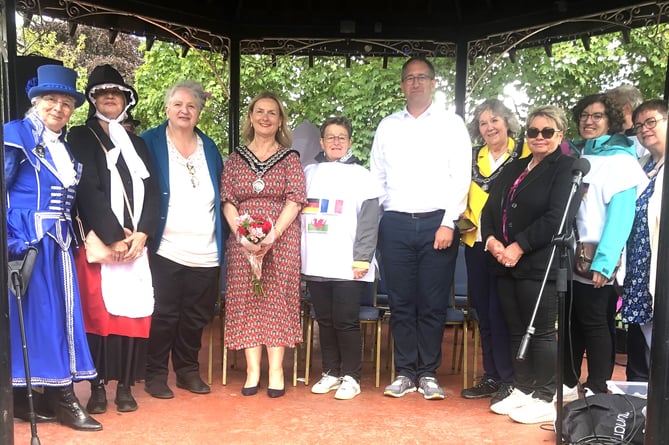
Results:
96 318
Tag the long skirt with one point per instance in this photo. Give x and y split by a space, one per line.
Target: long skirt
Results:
55 335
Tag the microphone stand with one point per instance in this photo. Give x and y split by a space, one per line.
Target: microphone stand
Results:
564 240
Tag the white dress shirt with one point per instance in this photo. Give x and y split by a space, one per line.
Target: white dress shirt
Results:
423 163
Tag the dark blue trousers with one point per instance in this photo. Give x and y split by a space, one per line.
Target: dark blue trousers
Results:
484 297
419 280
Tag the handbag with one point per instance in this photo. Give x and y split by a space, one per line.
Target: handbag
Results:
96 249
585 252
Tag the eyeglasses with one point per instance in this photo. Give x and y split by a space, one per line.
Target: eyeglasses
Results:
421 78
51 101
546 133
191 172
649 123
596 117
333 139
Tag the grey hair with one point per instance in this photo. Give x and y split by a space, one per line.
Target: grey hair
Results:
496 107
626 94
195 89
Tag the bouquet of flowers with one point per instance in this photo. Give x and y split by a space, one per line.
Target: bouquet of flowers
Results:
255 236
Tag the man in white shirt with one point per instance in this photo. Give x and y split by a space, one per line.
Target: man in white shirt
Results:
421 156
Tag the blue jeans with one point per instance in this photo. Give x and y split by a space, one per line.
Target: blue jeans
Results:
419 280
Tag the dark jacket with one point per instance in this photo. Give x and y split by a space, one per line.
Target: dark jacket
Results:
534 215
94 190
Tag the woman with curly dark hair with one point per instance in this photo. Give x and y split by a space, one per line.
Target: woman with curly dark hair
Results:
603 222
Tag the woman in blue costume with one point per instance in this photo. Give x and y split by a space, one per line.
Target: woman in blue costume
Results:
41 178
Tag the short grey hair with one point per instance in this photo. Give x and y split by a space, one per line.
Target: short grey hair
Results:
195 89
626 94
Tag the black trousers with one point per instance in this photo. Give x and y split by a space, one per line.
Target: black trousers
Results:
185 298
637 368
337 306
591 329
518 297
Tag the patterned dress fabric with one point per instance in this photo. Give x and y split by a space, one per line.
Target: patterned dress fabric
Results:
274 318
638 303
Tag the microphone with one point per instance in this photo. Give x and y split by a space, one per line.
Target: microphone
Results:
579 169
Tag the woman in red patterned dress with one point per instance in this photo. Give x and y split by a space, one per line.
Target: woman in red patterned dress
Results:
264 179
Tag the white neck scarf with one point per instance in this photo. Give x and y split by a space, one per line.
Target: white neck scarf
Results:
60 157
138 172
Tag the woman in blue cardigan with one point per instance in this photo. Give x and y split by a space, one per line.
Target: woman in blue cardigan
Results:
186 251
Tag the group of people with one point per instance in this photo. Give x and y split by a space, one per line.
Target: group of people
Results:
516 203
167 211
129 233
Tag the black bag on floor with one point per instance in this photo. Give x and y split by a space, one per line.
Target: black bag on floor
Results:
603 419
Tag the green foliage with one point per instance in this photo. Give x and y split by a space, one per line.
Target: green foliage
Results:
163 67
365 92
86 49
573 72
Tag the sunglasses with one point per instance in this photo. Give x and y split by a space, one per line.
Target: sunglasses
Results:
546 133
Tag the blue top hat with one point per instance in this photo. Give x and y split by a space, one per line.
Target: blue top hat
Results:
55 79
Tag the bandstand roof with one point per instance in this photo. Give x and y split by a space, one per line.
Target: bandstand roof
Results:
353 27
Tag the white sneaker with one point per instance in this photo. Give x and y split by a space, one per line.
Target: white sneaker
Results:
569 394
349 388
326 384
516 399
535 411
589 392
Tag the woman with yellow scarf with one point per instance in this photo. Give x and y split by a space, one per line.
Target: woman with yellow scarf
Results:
495 125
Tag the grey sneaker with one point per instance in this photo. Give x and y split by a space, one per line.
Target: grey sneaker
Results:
429 387
400 387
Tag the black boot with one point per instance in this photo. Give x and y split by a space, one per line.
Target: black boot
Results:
69 410
21 410
97 404
124 400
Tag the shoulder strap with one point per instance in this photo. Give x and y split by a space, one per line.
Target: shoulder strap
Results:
118 175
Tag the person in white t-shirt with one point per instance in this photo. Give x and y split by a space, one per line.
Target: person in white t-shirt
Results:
339 234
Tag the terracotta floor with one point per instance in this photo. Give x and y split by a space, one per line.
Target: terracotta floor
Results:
226 417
